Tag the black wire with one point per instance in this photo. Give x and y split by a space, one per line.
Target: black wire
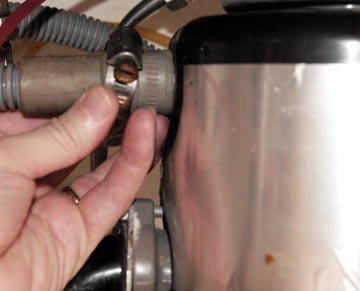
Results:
141 11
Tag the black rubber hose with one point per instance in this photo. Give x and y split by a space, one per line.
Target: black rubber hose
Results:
141 11
105 269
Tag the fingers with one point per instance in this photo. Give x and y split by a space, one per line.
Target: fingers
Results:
63 141
104 204
78 229
16 194
49 183
88 181
12 123
162 125
85 183
43 150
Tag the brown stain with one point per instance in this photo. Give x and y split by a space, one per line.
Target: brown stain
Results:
269 259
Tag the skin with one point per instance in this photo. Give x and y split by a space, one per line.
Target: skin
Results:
44 237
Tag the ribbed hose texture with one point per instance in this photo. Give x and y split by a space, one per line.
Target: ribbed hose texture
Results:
9 91
47 24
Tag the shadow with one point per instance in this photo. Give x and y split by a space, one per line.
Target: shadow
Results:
85 5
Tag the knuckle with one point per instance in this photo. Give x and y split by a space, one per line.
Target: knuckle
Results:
6 154
65 138
135 164
15 183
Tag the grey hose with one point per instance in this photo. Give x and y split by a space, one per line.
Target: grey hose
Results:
47 24
9 88
141 11
51 25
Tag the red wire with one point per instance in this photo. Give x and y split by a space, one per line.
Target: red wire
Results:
14 19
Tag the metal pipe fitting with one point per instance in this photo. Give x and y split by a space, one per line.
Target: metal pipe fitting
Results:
156 83
50 85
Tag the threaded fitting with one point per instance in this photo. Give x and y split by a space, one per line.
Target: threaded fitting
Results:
158 212
9 90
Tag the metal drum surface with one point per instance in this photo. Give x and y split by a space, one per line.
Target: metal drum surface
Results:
261 185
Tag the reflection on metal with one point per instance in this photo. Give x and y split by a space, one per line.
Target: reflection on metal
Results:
261 188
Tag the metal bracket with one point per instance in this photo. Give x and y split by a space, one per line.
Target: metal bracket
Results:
125 45
148 251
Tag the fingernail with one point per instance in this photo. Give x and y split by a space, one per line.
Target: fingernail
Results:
97 103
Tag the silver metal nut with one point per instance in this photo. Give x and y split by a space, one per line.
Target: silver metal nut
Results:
174 5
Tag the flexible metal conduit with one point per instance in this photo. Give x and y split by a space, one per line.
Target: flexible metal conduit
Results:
47 24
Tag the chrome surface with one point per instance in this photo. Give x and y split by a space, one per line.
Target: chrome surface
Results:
261 189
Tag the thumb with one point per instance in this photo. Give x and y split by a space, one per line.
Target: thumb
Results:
63 141
53 146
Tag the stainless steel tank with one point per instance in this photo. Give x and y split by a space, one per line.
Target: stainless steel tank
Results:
261 185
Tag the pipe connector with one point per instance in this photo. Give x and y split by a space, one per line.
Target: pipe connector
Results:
51 85
156 83
9 91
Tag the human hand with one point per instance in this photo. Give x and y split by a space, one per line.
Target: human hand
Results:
45 238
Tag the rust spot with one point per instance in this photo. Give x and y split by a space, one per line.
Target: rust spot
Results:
269 259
